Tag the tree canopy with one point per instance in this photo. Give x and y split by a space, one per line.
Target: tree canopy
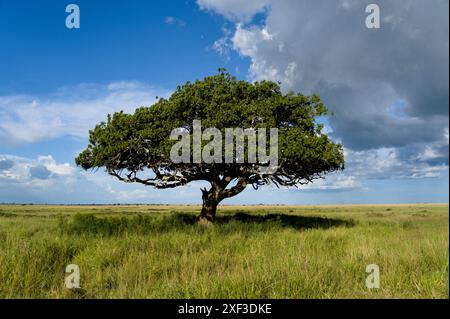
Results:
136 147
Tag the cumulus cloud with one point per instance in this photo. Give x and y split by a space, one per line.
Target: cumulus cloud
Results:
71 111
387 87
28 171
384 163
41 180
44 180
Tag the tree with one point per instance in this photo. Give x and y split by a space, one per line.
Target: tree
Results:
135 148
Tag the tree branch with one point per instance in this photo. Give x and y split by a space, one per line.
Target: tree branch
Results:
239 187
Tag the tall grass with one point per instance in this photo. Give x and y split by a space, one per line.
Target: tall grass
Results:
251 252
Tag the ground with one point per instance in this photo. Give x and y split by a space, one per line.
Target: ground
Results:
251 251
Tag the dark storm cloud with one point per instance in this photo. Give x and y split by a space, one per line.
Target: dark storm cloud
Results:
324 47
361 125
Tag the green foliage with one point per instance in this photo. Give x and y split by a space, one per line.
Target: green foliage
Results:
132 143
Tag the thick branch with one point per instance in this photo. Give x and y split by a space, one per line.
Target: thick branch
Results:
239 187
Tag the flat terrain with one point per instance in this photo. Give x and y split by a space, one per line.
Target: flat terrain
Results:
251 251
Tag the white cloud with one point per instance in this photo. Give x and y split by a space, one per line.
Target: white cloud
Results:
387 88
44 180
335 181
19 171
71 111
223 45
324 47
58 169
236 10
387 163
133 195
174 21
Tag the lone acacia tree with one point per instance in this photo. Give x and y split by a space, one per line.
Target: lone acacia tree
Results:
135 148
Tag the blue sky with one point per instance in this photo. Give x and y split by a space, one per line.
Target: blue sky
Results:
56 83
116 42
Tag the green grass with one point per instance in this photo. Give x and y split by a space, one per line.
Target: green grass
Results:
251 252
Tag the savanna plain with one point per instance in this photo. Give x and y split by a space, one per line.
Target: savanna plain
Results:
159 251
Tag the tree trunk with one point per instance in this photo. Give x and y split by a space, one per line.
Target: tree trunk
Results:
209 207
208 214
215 195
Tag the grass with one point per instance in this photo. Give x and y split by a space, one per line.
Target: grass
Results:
251 252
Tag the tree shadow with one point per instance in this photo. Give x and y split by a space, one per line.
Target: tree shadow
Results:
285 220
141 224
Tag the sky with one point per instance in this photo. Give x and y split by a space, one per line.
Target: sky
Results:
387 89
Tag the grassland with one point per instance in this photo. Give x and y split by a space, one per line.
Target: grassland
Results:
251 252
